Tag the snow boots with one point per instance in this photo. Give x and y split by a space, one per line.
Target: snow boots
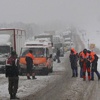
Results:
28 77
33 77
13 96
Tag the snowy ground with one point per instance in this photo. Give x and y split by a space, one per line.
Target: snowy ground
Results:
26 87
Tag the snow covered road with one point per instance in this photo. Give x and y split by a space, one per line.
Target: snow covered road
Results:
56 86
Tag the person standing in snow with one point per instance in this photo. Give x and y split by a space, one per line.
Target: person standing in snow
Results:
29 63
94 65
58 55
81 65
73 60
12 72
86 64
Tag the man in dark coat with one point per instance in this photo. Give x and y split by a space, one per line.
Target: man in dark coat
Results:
73 61
58 55
12 74
94 65
29 63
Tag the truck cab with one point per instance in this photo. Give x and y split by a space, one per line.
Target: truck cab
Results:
42 52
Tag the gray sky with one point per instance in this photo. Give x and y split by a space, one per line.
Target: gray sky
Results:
80 12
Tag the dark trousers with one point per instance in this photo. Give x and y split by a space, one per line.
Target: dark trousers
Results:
94 69
74 70
58 59
30 69
13 85
81 70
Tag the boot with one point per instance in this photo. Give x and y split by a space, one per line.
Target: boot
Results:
98 78
92 79
11 96
76 74
33 77
73 75
28 77
15 97
84 79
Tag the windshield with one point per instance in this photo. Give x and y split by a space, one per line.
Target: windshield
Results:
37 52
4 49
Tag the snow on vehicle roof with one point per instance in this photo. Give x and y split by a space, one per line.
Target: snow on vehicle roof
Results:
67 42
37 43
43 39
68 38
5 39
66 32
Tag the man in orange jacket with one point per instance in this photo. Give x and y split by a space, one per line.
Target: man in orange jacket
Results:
86 64
29 62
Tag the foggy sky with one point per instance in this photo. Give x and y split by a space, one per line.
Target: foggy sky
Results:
80 12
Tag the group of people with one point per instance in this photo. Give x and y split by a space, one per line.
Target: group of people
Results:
88 63
12 72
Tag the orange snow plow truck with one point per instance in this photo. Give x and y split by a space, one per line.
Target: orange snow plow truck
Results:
42 51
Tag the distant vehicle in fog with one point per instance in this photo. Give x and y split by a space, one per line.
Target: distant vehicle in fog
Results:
58 42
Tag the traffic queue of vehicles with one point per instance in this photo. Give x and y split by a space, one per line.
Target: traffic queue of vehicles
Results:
43 46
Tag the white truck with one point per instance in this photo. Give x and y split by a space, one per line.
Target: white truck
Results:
58 42
10 39
45 36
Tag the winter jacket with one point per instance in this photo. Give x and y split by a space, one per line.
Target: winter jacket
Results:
85 59
12 69
58 53
73 58
29 61
30 55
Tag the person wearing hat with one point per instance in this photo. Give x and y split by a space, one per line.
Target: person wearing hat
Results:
29 63
86 64
73 62
12 74
58 55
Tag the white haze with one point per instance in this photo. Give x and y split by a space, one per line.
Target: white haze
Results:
83 13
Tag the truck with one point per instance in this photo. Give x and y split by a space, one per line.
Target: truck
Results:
58 42
42 51
10 39
45 36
